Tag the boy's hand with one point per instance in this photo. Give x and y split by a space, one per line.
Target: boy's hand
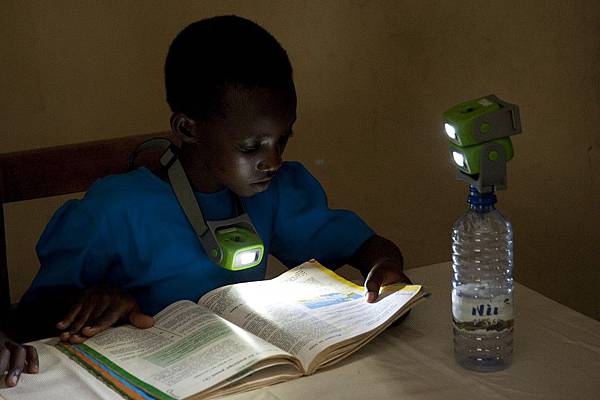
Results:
16 358
380 260
384 272
99 308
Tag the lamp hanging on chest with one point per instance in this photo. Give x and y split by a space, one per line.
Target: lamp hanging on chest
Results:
233 243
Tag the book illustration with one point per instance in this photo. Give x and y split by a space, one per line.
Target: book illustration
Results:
329 299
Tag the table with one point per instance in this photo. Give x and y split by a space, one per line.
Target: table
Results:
556 356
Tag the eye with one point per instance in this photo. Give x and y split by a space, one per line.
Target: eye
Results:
247 149
248 146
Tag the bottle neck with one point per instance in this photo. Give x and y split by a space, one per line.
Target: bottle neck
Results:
481 202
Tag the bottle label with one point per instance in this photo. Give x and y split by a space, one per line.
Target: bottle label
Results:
482 314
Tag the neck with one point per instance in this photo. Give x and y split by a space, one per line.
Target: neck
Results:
197 171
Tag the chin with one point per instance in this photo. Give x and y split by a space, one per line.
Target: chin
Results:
252 189
246 191
249 189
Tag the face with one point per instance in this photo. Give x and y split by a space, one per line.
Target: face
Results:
242 148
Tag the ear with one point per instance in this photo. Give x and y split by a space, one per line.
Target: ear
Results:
184 127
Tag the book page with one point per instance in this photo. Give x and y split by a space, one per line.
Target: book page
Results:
189 350
306 309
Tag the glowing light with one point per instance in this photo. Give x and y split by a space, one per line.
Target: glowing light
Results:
459 159
450 131
246 257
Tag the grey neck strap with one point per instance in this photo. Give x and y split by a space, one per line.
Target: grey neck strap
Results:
183 191
205 230
178 179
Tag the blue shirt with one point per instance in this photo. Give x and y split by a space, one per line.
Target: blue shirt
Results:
129 231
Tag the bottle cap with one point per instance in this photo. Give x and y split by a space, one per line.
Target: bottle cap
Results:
477 198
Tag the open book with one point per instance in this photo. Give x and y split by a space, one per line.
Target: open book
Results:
243 336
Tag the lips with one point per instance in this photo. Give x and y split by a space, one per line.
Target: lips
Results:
261 185
265 178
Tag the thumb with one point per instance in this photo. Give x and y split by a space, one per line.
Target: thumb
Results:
140 320
373 284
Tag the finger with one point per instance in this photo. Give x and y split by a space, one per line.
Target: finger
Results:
77 338
17 363
108 319
83 316
98 312
140 320
4 359
33 363
100 309
373 284
68 319
64 337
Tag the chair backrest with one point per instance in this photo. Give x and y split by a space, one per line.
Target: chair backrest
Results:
53 171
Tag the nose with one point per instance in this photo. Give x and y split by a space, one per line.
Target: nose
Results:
270 162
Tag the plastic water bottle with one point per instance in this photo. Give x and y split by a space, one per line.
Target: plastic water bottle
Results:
482 286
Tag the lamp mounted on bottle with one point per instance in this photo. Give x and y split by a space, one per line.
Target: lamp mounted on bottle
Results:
479 140
482 240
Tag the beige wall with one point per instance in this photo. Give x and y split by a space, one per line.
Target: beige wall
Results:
373 79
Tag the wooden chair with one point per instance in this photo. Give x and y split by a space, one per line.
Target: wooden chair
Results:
60 170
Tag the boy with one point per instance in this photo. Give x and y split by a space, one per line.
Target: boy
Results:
126 250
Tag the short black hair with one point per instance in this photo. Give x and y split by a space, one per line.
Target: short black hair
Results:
214 53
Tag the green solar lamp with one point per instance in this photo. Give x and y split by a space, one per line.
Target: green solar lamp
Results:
234 243
479 132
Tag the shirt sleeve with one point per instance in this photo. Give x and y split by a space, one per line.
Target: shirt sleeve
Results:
73 251
305 227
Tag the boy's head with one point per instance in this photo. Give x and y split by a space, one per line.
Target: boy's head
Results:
212 54
229 84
